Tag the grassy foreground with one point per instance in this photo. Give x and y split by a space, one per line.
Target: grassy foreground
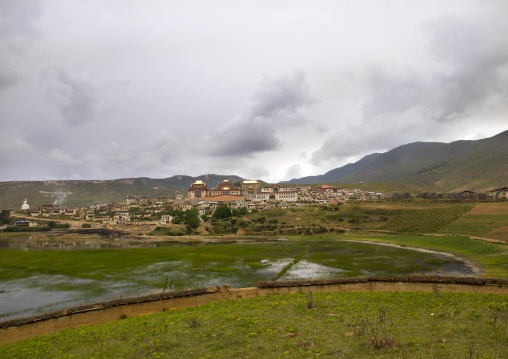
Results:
330 325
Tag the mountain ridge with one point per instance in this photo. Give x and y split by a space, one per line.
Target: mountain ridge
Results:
86 192
459 165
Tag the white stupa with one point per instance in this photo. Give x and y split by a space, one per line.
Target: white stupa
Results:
25 205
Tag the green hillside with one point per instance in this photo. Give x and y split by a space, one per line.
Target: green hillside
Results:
444 167
73 193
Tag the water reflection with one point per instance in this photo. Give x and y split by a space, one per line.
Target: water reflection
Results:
29 244
43 293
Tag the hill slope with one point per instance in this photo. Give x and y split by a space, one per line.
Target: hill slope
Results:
71 193
461 165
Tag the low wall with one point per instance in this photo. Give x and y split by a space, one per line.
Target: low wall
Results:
23 328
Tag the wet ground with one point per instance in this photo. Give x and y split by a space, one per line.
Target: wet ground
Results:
42 293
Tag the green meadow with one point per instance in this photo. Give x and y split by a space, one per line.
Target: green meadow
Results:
324 325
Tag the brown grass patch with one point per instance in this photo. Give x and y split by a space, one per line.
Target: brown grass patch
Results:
490 209
500 234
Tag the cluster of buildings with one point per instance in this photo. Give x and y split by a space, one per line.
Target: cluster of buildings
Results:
335 195
250 194
144 211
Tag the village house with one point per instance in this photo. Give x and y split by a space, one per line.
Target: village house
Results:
89 216
499 193
166 219
121 217
186 206
25 223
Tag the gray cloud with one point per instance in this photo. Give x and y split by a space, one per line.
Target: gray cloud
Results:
19 17
474 51
391 91
8 77
183 84
468 76
274 105
471 54
281 96
294 171
75 97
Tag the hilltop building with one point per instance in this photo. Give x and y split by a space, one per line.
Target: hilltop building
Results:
226 188
198 190
277 193
250 188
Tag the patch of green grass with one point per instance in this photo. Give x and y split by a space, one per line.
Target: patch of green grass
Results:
343 324
428 220
242 261
475 225
403 217
492 257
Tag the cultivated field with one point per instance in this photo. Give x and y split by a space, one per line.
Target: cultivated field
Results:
488 220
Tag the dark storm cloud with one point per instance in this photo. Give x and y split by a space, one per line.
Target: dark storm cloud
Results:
75 97
274 105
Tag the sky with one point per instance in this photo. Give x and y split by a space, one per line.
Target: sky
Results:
263 89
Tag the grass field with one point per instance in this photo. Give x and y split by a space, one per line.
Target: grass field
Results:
492 257
329 325
476 225
489 220
401 217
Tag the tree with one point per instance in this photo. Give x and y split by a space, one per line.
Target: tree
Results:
5 217
177 216
222 212
242 211
192 218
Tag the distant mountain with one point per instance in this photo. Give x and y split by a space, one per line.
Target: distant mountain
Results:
73 193
461 165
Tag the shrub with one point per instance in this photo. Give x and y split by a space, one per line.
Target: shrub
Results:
86 225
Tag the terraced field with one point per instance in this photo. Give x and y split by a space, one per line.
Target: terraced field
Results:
489 220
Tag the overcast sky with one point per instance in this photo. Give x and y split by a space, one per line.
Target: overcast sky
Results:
263 89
